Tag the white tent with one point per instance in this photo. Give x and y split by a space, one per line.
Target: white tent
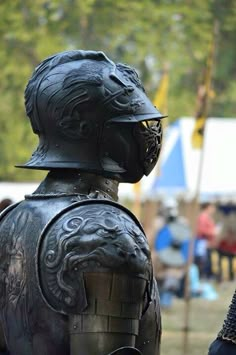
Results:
180 162
16 191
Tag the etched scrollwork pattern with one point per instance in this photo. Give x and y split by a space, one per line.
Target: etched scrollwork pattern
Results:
13 273
90 239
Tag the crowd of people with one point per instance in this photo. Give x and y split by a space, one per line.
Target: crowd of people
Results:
208 252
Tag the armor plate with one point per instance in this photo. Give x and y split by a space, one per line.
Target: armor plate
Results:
88 270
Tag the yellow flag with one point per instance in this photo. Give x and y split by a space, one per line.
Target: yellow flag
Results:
200 119
161 97
203 96
198 133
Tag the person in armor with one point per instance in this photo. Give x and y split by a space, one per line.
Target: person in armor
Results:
75 266
225 343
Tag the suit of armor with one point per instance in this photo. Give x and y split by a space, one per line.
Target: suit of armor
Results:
75 266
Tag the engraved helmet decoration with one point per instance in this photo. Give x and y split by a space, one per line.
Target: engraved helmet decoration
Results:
92 115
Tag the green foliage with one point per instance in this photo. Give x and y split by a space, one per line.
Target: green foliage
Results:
147 34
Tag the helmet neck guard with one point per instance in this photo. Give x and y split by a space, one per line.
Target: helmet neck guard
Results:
63 182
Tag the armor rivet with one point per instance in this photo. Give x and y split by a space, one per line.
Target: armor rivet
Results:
75 326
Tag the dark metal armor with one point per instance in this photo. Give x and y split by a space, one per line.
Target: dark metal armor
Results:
225 343
75 266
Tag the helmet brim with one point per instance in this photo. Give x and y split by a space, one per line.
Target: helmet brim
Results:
137 118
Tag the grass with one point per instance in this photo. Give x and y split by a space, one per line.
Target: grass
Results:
205 320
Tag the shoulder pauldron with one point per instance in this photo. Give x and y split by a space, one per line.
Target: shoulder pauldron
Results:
88 237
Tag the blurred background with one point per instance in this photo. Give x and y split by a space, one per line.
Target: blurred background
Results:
184 52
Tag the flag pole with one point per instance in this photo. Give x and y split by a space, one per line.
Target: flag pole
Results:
198 142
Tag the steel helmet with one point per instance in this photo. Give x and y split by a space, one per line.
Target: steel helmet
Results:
90 114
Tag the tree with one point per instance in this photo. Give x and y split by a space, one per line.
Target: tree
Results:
146 34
